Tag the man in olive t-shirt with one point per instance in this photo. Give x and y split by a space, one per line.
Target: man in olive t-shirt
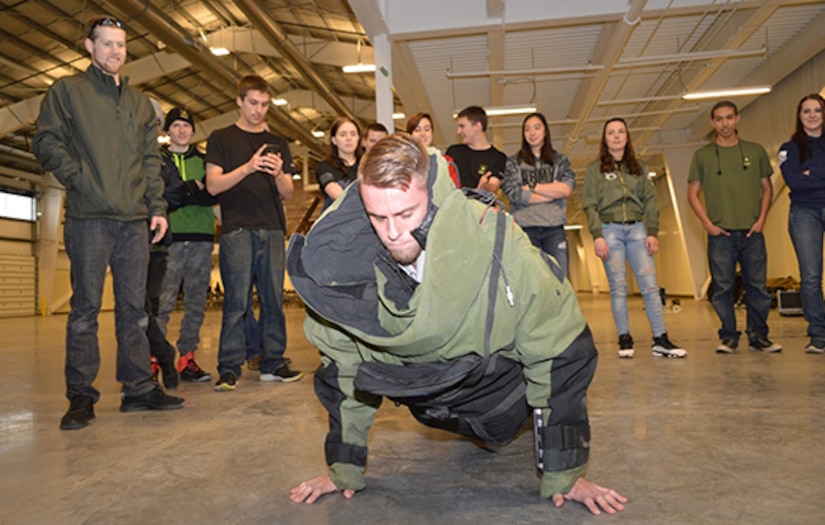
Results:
734 176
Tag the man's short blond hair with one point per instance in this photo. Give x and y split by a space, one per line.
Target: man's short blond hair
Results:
394 162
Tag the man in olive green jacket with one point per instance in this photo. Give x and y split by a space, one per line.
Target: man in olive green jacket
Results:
98 136
485 325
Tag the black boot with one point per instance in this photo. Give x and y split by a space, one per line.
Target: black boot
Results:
81 411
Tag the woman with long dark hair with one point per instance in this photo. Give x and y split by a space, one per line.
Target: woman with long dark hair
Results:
802 161
340 168
622 215
538 180
420 126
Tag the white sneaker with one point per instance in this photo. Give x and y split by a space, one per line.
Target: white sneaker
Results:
663 347
626 350
765 345
727 346
813 349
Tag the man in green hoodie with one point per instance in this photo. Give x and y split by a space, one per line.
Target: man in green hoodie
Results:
475 351
193 240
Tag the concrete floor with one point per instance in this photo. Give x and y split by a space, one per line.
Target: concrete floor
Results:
707 439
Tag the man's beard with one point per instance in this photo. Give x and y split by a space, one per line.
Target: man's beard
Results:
406 256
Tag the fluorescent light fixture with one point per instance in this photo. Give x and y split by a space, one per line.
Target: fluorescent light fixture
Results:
279 102
296 176
164 139
318 134
398 116
498 111
510 110
219 51
359 68
569 227
722 93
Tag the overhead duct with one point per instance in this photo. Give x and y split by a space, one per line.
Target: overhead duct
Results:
278 38
199 57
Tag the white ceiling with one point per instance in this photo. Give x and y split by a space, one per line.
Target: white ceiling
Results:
507 45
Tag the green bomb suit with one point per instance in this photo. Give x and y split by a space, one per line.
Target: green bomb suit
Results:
361 309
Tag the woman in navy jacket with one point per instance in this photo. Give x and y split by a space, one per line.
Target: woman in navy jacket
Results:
802 161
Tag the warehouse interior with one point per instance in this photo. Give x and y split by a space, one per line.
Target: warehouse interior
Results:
707 439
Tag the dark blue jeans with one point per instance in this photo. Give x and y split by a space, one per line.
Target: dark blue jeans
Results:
248 255
723 254
92 245
252 331
807 225
551 240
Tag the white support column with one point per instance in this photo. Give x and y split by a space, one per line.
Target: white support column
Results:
677 160
384 100
51 206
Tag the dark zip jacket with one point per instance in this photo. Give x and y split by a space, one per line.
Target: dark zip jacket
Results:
100 141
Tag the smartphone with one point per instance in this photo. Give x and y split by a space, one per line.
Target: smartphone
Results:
272 149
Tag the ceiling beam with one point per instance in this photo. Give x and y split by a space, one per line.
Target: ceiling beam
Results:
276 36
745 30
202 59
608 51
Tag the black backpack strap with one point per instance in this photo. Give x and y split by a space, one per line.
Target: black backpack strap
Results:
492 291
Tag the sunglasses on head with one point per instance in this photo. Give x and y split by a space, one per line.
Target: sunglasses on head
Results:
106 22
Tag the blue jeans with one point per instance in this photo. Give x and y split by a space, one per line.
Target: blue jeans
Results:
248 255
252 331
92 245
552 240
627 242
807 225
723 254
192 263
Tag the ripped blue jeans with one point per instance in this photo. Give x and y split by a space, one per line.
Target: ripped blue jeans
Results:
627 243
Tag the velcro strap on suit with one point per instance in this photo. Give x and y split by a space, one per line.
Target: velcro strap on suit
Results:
562 447
344 453
565 437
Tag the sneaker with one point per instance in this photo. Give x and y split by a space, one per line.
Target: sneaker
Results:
626 346
727 346
283 374
155 367
813 348
227 382
190 371
764 344
254 363
664 347
81 411
155 399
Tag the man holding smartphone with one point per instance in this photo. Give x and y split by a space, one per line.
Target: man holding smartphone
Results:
250 170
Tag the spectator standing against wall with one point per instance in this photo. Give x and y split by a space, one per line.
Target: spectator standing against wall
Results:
193 239
99 138
339 168
374 132
802 161
538 180
480 165
734 176
623 217
250 170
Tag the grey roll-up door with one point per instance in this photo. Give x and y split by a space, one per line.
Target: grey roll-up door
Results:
18 285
